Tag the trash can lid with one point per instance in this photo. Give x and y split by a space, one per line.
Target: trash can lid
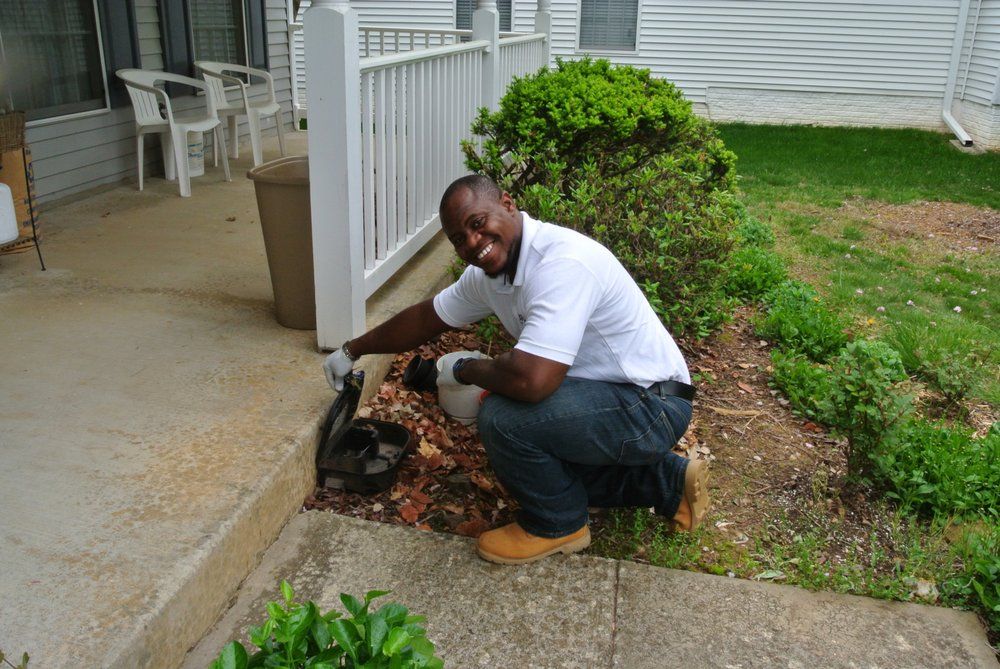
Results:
291 170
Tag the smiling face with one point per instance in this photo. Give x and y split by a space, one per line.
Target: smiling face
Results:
485 232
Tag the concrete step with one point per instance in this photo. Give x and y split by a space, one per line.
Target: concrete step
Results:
584 611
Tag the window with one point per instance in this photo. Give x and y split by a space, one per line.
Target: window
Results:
50 57
464 9
218 33
608 25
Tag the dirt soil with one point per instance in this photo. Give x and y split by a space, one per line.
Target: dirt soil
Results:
765 461
958 227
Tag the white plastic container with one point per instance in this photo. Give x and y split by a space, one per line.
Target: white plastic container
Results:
196 155
459 401
8 218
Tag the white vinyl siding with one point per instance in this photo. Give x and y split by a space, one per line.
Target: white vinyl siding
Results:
147 21
888 48
979 72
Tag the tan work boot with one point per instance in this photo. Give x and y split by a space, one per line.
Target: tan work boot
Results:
694 502
510 544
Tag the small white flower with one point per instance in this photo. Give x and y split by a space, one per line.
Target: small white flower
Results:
937 279
854 246
859 291
957 310
933 324
910 303
973 292
880 289
880 309
973 248
967 270
847 255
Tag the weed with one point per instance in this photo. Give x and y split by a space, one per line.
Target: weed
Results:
797 320
753 272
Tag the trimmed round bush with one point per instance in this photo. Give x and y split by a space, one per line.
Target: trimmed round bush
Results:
618 155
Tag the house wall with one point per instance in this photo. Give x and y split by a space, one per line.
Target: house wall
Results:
849 62
74 155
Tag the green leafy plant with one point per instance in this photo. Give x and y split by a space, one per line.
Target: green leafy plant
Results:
804 383
945 363
298 636
940 470
751 231
754 271
797 320
978 584
619 155
865 399
23 664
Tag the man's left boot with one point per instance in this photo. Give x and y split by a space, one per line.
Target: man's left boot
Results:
510 544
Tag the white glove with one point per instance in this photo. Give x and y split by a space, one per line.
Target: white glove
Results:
336 367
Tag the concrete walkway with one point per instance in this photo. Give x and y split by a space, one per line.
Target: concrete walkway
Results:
159 426
583 611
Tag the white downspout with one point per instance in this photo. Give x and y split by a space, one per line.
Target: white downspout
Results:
949 89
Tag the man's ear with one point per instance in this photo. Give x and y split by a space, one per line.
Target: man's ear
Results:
508 202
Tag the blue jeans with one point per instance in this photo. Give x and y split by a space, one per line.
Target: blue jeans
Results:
590 443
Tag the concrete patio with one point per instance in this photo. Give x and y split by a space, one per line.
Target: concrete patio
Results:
159 426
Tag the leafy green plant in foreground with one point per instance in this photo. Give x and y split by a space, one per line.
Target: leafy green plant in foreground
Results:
23 664
298 636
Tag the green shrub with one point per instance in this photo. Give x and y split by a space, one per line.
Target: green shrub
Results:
796 319
618 155
296 636
753 272
751 231
803 382
940 470
865 399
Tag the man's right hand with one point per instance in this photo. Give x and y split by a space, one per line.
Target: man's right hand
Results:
336 367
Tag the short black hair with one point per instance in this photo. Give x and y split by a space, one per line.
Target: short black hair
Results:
481 186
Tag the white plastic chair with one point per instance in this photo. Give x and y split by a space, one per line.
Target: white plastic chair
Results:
154 114
218 76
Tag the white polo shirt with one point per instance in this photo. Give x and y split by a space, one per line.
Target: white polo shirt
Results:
571 301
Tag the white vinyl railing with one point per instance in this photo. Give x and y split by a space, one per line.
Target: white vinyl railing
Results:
521 55
385 139
416 108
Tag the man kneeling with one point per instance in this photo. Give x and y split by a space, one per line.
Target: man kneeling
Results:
586 407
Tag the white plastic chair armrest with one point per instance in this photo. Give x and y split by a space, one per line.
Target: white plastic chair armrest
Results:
158 93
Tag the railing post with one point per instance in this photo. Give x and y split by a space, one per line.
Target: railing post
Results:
333 82
486 26
543 24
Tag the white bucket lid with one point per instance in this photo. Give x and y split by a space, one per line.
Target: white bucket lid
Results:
8 219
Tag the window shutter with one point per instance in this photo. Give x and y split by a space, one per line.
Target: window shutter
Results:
121 44
257 33
177 51
608 24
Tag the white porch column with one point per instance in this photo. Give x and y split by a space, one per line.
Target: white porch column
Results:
486 26
543 24
333 82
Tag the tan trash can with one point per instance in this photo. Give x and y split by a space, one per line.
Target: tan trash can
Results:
282 188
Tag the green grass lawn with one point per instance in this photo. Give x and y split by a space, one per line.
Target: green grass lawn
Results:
906 285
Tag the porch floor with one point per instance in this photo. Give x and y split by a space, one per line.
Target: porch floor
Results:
159 426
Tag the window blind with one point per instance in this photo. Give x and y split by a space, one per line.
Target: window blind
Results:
608 24
217 30
464 9
51 58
